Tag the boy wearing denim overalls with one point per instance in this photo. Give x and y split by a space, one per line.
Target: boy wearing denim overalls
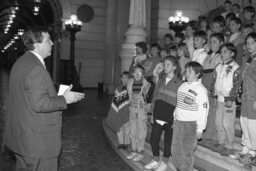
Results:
137 88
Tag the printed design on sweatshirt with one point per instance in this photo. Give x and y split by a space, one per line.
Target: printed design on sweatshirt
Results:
120 100
228 69
193 92
168 92
187 102
205 105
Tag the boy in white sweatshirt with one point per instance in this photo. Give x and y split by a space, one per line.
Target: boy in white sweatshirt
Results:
190 117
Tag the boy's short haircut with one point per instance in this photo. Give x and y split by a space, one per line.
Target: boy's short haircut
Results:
180 35
219 36
193 24
237 21
184 47
201 34
230 16
168 35
251 35
231 47
227 2
174 48
236 5
220 20
142 45
197 68
249 8
126 73
156 45
138 66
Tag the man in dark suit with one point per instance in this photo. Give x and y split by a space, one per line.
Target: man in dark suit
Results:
33 122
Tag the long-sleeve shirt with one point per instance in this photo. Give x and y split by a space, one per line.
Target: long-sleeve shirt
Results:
226 75
192 104
199 55
165 98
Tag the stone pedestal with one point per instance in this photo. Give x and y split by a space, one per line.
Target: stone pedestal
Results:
133 34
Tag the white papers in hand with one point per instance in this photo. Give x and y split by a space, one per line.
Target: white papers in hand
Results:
62 89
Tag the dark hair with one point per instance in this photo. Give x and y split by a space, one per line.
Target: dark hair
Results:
32 36
197 67
220 20
168 35
201 34
227 2
176 63
230 16
126 73
231 47
237 20
249 8
156 45
138 66
251 35
219 36
192 24
236 5
174 48
142 45
180 35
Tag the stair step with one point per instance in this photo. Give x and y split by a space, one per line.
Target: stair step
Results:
137 166
205 159
208 160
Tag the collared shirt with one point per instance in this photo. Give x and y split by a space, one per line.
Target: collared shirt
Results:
167 80
233 37
39 57
199 55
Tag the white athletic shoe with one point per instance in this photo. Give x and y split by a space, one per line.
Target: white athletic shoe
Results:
131 155
138 157
162 166
151 165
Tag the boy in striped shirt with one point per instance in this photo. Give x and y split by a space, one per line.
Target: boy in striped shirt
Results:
190 117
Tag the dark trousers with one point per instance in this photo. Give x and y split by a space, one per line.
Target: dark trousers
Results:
36 164
156 133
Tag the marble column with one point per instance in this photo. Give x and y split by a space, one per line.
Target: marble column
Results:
136 32
111 34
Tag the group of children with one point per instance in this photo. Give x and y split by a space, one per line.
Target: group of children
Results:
192 87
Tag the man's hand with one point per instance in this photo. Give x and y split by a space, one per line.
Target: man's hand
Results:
72 97
228 104
199 136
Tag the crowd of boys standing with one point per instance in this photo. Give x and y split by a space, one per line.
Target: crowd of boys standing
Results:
191 87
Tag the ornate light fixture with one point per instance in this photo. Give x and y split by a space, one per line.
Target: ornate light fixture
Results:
178 22
36 8
73 25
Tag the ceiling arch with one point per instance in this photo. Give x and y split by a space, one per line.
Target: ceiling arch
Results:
19 14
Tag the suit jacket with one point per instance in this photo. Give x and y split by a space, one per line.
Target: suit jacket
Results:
34 118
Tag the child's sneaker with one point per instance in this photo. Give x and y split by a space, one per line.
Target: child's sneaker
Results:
131 155
151 165
162 166
247 159
227 152
138 157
